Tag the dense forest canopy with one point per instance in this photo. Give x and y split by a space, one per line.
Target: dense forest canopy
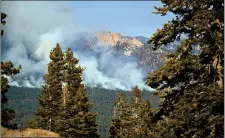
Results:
103 100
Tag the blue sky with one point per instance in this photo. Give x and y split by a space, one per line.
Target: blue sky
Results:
130 18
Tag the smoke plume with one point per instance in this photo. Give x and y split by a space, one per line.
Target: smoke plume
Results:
33 28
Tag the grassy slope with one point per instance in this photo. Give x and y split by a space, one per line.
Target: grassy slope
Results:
25 102
27 133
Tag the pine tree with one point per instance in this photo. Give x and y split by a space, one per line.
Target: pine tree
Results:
140 116
7 70
145 115
135 108
136 101
76 117
191 83
72 72
129 119
50 100
119 120
7 115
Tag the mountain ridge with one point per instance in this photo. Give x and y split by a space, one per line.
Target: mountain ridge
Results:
107 46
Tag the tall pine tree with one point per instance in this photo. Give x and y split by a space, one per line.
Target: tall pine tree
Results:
145 115
131 120
76 118
191 83
7 70
135 108
121 114
50 101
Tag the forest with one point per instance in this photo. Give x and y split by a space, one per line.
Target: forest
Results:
188 100
24 101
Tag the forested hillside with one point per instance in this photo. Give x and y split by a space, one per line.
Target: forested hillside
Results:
24 101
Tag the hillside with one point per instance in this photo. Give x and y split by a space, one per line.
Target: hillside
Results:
27 133
25 102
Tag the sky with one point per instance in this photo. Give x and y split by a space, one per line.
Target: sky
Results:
130 18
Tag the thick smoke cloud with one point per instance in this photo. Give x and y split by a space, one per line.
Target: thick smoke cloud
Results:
34 28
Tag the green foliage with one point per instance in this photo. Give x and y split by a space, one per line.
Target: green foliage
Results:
18 99
50 98
7 70
145 114
65 94
131 120
83 124
190 85
120 114
76 118
103 101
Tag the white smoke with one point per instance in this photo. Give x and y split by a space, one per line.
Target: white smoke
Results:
33 28
110 69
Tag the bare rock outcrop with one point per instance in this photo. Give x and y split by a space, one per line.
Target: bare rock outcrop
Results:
128 44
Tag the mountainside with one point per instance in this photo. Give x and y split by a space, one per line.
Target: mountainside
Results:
24 101
104 53
88 45
131 46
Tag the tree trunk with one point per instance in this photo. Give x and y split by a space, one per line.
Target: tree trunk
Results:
217 65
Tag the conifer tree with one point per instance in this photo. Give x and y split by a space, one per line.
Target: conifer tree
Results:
130 118
121 113
145 115
191 83
135 108
7 115
76 117
50 100
72 72
7 70
140 116
136 99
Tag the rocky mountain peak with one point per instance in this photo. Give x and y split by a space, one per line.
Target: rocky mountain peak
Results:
108 38
114 39
136 46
